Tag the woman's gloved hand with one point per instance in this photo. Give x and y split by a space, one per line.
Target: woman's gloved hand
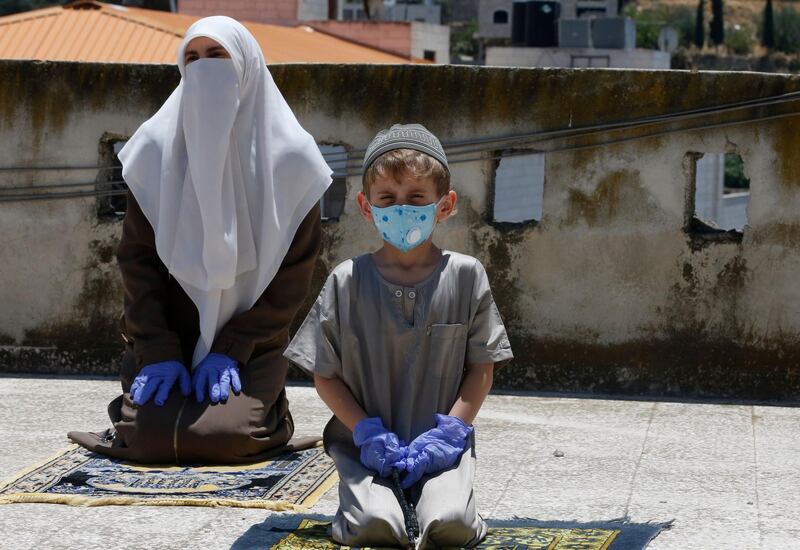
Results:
381 450
437 449
158 379
217 374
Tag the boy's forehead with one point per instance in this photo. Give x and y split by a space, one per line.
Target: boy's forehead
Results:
407 181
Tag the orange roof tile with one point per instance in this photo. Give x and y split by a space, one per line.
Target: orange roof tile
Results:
97 32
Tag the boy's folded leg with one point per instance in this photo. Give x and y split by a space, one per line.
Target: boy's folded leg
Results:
446 507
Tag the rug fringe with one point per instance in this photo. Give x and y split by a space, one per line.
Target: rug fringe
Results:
86 501
580 523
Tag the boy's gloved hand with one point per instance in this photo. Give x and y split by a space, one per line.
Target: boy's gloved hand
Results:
158 379
217 373
381 450
436 449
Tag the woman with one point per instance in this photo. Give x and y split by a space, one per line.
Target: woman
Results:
217 250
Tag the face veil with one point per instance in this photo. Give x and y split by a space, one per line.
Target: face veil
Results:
225 174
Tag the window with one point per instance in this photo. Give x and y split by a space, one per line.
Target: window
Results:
332 202
719 195
430 55
500 17
519 187
112 189
590 12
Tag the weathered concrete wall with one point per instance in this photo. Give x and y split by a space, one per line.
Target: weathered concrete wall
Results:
578 57
612 291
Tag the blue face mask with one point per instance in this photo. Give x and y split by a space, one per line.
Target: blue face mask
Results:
405 226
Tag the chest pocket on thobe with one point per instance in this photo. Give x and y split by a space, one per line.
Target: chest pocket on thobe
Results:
447 349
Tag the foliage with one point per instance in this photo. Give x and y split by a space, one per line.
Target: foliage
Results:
734 173
740 39
768 28
717 27
787 30
463 41
649 23
700 25
8 7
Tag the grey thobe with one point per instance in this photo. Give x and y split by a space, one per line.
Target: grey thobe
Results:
402 352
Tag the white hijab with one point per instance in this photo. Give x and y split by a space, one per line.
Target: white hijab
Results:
225 175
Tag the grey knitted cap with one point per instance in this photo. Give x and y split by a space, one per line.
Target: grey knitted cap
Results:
405 136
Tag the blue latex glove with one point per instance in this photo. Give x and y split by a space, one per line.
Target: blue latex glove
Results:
217 373
158 379
437 449
381 450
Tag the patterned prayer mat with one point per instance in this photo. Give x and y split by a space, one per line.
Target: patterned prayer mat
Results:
313 534
78 477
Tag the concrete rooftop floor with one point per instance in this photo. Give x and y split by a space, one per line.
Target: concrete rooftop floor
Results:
728 475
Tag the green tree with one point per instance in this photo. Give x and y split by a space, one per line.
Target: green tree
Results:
717 33
740 39
700 25
768 32
8 7
787 30
650 21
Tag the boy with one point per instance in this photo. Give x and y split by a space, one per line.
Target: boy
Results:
402 344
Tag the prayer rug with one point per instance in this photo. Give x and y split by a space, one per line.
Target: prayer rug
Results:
509 534
75 476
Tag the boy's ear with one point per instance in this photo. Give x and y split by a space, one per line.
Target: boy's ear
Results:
447 207
364 206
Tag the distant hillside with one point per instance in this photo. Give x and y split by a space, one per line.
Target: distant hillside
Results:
736 11
743 24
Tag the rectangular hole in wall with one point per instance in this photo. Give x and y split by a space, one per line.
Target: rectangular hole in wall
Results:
519 187
112 190
332 203
722 192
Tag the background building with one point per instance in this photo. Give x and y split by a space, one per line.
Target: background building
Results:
400 11
280 12
570 33
408 39
95 31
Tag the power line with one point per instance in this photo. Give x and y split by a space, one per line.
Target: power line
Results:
453 146
68 195
457 149
58 185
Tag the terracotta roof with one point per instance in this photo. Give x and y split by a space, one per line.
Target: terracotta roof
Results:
92 31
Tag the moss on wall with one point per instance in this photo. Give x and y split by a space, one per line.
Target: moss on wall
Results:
88 340
458 100
458 103
46 95
681 367
612 202
788 154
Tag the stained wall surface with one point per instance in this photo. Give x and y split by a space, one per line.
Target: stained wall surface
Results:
615 289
